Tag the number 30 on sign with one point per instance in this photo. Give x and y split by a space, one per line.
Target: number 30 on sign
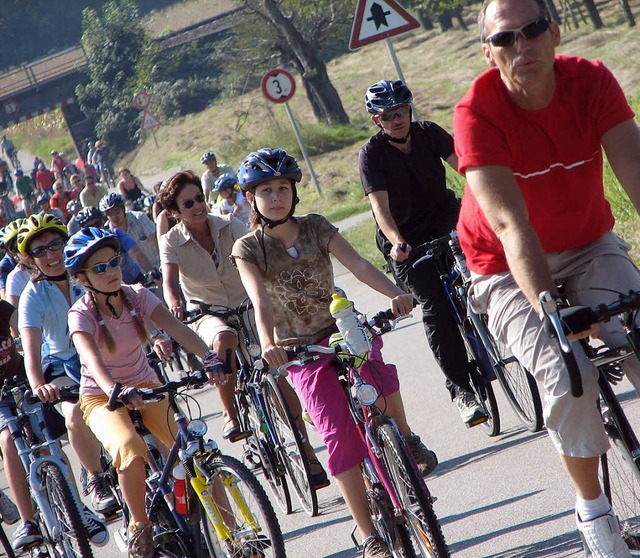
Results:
278 86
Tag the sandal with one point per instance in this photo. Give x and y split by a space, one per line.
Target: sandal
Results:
320 479
231 429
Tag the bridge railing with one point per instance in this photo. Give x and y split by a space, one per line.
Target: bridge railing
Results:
31 76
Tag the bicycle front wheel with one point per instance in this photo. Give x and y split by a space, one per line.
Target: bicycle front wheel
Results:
291 446
247 524
70 537
412 494
621 480
520 388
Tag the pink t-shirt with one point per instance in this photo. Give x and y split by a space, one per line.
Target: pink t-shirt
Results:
554 153
128 363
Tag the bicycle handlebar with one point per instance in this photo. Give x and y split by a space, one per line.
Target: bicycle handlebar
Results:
217 310
67 393
383 321
195 380
433 248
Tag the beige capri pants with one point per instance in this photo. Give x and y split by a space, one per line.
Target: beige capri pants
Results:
591 275
115 430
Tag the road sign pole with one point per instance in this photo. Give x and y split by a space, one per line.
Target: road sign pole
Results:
396 65
296 131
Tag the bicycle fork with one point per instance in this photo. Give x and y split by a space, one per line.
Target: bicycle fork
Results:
201 485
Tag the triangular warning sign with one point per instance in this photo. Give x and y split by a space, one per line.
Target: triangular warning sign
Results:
379 19
149 121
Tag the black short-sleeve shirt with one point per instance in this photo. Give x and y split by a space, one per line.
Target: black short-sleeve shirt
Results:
415 182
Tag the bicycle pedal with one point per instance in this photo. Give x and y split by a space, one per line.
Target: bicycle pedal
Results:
476 422
111 516
121 538
240 436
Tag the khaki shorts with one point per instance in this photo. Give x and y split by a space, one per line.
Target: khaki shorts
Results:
591 275
209 327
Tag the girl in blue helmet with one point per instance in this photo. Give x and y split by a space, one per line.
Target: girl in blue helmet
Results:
109 326
285 267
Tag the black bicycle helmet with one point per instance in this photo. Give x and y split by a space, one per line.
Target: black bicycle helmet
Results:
88 214
111 201
265 164
385 95
84 243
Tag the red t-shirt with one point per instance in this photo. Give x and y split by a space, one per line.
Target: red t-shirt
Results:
45 179
554 153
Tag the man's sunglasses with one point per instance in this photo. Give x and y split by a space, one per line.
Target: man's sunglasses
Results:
53 246
392 115
113 211
190 203
529 31
101 268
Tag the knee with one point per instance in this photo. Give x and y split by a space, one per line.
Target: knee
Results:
74 419
225 340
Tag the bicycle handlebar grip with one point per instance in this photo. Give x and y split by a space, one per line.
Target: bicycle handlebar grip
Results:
113 403
575 379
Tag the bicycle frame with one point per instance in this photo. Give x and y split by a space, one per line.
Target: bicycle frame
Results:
29 452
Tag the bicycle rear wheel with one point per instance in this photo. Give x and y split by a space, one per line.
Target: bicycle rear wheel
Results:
70 538
520 388
245 511
412 494
291 449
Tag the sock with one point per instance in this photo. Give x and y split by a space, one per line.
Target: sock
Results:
591 509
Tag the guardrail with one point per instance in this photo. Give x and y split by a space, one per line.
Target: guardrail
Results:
35 74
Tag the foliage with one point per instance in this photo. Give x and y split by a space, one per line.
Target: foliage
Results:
115 44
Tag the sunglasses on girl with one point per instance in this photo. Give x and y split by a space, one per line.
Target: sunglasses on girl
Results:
53 246
392 115
101 268
529 31
190 203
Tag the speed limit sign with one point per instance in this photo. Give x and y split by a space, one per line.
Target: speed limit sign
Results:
278 86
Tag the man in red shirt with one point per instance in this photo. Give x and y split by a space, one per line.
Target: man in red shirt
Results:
45 179
529 137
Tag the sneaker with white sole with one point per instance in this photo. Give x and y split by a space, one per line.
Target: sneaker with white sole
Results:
8 510
601 537
102 499
96 528
26 534
470 410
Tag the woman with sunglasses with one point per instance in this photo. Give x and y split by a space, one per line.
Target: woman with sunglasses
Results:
109 327
195 256
51 359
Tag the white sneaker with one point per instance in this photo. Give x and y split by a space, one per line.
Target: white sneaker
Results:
470 410
601 537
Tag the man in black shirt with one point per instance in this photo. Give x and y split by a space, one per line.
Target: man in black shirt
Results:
402 172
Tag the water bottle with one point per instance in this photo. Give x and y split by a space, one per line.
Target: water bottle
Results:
350 327
179 490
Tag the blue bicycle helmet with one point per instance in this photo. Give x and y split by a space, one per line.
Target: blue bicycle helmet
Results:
84 243
385 95
111 201
266 164
225 181
88 214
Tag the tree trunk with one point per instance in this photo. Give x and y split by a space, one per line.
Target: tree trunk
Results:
628 13
593 12
323 96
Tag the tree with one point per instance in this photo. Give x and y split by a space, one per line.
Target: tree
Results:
118 51
303 53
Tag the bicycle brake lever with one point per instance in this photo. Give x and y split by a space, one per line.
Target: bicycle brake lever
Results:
550 310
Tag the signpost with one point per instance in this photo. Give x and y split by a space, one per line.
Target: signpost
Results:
378 20
150 121
278 86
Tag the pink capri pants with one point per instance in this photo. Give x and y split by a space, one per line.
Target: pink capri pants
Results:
325 401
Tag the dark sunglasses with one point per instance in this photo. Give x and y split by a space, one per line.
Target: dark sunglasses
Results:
529 31
392 115
113 211
101 268
53 246
190 203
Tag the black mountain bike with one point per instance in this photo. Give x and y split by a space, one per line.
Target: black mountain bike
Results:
273 442
620 466
489 358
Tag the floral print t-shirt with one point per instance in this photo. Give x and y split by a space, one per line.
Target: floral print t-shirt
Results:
299 287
